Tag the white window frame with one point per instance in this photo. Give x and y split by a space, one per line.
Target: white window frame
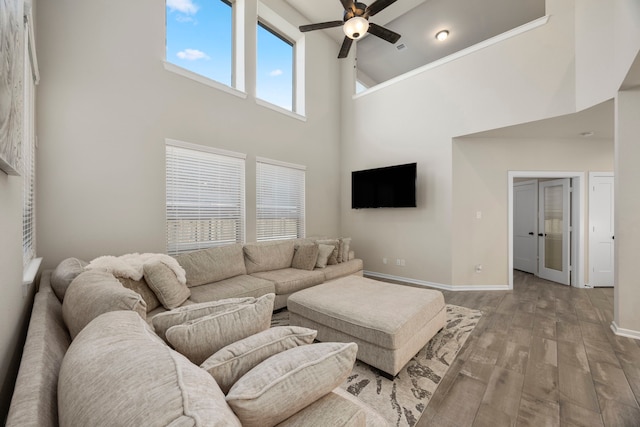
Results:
237 87
278 172
31 263
278 24
198 160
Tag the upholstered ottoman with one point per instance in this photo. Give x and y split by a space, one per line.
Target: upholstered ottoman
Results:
390 323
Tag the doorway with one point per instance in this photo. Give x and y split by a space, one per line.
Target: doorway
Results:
567 240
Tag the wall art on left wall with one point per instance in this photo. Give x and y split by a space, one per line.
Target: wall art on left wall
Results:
11 89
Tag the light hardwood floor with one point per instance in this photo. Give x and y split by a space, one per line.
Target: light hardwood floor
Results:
542 355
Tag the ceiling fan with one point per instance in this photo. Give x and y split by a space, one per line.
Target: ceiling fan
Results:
355 23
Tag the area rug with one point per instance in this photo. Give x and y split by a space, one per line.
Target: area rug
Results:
403 400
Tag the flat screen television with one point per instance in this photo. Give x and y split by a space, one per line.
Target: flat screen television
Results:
388 187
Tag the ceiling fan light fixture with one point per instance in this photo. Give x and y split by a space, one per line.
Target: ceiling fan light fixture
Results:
442 35
355 27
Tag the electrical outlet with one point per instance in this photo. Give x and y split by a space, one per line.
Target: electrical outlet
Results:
384 260
398 261
479 268
402 263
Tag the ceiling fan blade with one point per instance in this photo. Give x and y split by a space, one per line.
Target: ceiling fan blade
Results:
383 33
346 45
377 6
320 26
348 5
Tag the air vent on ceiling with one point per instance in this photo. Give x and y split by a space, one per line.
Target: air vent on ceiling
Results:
401 46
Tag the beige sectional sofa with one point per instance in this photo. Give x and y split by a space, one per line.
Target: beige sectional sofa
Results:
88 341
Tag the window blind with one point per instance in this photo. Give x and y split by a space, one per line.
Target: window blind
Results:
29 149
205 197
280 199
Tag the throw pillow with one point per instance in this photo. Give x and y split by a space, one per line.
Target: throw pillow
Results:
343 252
63 275
117 372
288 382
93 293
163 321
333 258
238 358
198 339
141 287
324 252
305 257
164 283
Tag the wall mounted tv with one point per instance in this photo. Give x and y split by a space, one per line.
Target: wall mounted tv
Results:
388 187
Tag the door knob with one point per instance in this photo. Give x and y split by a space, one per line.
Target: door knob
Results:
541 235
531 233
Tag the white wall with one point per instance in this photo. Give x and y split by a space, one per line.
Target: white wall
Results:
627 206
107 105
481 169
524 78
607 40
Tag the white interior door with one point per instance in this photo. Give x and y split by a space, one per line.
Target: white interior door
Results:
554 230
601 254
525 226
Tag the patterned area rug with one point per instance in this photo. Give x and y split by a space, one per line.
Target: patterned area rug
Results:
403 400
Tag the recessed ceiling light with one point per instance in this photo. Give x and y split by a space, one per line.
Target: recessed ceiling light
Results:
442 35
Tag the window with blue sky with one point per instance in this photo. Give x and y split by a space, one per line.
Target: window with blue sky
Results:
206 38
274 67
200 37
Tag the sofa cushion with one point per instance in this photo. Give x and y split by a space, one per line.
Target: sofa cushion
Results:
305 256
163 321
200 338
35 398
118 370
234 287
268 256
238 358
331 410
95 292
288 280
333 258
345 268
212 264
141 287
343 249
324 252
290 381
63 275
164 283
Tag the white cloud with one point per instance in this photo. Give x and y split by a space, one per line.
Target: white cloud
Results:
275 73
184 6
192 54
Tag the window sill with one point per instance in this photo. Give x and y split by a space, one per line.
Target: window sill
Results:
30 271
281 110
204 80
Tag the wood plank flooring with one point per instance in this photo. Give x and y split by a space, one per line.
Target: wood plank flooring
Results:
542 355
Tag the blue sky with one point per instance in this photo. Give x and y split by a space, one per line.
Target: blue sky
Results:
199 38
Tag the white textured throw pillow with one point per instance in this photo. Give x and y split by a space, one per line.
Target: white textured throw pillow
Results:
288 382
165 284
163 321
324 252
198 339
238 358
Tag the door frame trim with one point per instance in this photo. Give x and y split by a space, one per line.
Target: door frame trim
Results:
578 220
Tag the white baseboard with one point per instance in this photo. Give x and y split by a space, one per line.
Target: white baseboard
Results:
438 285
629 333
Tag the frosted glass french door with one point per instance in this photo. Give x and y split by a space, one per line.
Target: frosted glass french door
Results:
554 230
